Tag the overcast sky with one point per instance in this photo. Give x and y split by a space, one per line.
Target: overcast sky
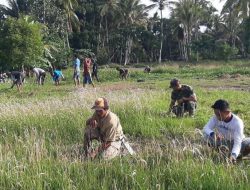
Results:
216 3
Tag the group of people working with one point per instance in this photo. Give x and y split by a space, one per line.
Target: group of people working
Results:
18 77
224 129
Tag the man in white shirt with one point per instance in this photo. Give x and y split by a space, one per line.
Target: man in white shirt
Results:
40 75
226 128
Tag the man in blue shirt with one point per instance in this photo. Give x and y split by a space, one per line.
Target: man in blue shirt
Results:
76 74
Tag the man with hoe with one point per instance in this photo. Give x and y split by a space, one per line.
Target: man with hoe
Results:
105 127
227 129
185 98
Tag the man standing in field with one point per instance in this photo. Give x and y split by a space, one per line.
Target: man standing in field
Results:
76 74
225 128
40 75
95 69
87 79
185 98
105 127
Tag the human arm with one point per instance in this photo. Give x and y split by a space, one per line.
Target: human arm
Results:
172 103
108 137
209 127
237 138
62 75
190 98
92 121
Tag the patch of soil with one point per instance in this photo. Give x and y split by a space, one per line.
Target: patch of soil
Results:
228 76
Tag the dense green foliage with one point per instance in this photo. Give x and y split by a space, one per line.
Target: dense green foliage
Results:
121 31
20 43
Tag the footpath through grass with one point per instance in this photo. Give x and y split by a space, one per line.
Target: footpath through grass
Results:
42 132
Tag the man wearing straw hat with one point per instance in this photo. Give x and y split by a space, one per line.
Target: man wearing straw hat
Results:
105 127
227 129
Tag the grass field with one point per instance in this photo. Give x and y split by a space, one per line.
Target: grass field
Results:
41 131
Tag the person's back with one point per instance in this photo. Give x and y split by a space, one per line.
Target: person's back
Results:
86 66
87 79
17 78
38 71
184 91
40 75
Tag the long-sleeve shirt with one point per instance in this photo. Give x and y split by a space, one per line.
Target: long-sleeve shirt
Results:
109 126
232 131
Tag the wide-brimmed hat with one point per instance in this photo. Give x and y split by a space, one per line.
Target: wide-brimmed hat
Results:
100 103
221 105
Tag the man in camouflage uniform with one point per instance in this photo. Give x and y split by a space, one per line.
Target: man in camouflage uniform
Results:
185 98
105 127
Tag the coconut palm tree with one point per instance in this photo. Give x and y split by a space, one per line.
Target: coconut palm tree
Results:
107 9
189 14
161 4
241 6
13 8
132 14
72 19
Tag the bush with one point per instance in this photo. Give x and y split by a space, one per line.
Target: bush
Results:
224 51
102 56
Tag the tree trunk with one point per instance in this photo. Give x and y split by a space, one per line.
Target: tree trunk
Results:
161 39
99 34
44 20
67 39
128 50
107 30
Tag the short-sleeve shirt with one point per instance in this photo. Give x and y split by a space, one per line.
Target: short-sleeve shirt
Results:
77 65
38 71
185 91
109 126
86 66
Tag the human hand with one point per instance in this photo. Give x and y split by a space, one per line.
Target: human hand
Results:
93 123
184 98
232 158
180 101
219 137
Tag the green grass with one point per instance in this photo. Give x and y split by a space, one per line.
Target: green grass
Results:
42 131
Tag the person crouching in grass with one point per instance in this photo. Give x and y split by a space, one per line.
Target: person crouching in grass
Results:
105 127
226 129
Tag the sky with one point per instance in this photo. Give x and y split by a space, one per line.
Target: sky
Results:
216 3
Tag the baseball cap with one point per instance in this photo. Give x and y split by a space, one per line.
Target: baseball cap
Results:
174 82
100 103
221 105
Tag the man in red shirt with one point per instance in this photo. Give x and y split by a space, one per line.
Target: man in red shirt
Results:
87 73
